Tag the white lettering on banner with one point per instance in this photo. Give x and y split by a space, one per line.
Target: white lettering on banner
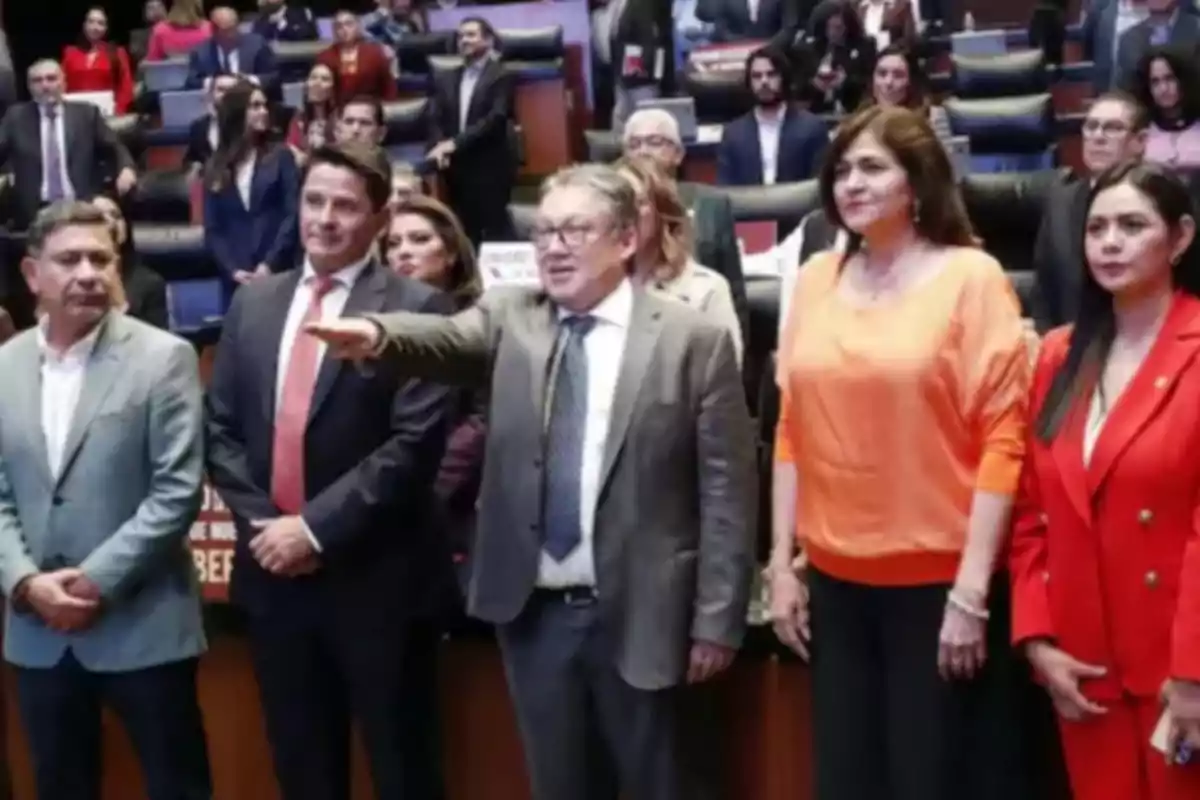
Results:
508 264
212 539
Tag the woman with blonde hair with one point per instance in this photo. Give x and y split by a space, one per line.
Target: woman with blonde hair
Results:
183 30
663 260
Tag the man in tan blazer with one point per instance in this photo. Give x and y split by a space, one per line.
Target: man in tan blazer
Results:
614 550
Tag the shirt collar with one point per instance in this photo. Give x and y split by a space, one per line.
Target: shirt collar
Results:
76 354
615 309
344 277
770 117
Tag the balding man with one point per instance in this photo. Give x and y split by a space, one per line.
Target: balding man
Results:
653 133
58 150
231 52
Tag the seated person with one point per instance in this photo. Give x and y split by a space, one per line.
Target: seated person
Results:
280 21
361 120
153 12
1167 24
183 30
1168 87
251 193
406 184
144 290
314 124
231 52
392 20
203 132
741 20
834 62
888 21
363 68
776 142
898 80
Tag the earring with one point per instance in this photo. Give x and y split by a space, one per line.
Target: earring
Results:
916 211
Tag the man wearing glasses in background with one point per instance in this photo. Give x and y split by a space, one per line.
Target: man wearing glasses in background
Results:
1114 130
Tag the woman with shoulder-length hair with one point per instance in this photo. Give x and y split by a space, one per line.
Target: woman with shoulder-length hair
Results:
663 259
1168 86
184 29
251 188
898 79
903 374
1105 556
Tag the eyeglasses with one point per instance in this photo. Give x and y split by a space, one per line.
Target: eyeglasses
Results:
655 140
1109 127
572 235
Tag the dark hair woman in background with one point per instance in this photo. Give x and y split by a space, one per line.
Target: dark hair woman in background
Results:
251 188
145 290
898 79
1105 555
93 64
833 63
314 124
1168 87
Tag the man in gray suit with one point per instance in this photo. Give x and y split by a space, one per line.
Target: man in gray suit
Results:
614 549
100 480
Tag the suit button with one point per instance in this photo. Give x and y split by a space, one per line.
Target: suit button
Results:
1145 516
1044 519
57 501
1046 576
1151 580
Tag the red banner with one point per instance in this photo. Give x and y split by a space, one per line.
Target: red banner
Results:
212 539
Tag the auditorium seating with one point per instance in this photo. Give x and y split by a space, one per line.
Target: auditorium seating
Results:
1008 75
1007 134
720 95
162 197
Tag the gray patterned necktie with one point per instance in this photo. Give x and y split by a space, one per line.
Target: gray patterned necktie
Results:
52 157
564 441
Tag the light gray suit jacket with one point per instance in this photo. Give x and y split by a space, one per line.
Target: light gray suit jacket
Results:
674 528
121 508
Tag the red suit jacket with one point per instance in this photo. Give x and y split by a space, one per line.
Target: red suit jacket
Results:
372 75
1105 558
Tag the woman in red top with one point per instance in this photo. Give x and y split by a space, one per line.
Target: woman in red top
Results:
96 65
1105 555
363 68
313 125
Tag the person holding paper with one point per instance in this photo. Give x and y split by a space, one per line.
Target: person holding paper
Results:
1105 553
93 64
615 541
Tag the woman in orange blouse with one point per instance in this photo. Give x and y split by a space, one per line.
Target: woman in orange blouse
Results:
94 64
1105 555
903 372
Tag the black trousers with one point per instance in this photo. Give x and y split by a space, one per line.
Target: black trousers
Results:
315 678
60 710
587 734
886 726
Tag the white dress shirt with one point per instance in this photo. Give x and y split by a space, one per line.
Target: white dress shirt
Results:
872 18
245 178
605 348
770 123
470 79
62 383
752 9
59 133
214 137
230 60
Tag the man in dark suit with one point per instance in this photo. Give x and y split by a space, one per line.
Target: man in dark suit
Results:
1114 130
640 50
153 12
231 52
472 133
1167 25
614 548
203 133
280 21
741 20
58 150
776 142
653 133
328 472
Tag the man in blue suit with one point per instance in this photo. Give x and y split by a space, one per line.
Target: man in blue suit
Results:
231 52
1104 25
101 467
776 142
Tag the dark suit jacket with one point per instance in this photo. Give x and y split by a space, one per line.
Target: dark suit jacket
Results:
674 521
1058 260
856 60
803 140
647 24
255 57
93 154
485 142
731 18
146 294
139 42
715 243
1184 38
199 149
241 238
296 25
819 234
373 445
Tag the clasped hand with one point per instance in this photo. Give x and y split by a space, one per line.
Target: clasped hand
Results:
282 547
67 600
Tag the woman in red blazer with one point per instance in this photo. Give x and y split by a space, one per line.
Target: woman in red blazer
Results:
96 65
1105 556
363 68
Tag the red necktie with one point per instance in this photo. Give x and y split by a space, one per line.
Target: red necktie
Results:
295 401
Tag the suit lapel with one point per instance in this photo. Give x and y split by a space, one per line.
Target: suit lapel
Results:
1173 351
272 317
1067 451
264 172
104 367
783 154
29 394
756 149
367 295
543 333
640 346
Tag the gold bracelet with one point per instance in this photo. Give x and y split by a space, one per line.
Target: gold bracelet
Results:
956 602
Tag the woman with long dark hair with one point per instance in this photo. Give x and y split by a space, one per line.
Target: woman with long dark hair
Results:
94 64
313 125
1105 555
898 79
1168 87
833 63
251 188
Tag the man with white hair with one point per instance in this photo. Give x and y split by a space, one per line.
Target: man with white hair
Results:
654 134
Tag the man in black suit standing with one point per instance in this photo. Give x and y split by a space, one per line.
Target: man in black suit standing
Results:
1114 130
472 133
58 150
328 471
